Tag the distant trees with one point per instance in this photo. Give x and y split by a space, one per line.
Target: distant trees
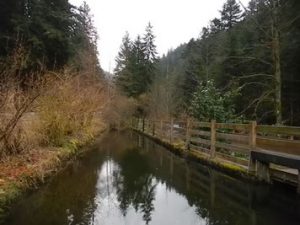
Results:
136 63
255 50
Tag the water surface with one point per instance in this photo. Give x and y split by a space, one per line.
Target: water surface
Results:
128 179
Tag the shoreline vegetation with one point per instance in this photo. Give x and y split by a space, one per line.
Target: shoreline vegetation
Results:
28 171
54 97
45 125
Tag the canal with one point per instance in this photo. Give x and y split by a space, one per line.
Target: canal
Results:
128 179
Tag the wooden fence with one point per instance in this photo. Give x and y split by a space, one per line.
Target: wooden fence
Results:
232 142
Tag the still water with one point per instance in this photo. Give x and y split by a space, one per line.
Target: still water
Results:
128 179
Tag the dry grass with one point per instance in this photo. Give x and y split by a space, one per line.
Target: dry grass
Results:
69 107
65 113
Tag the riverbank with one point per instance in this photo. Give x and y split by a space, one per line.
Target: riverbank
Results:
229 168
233 151
27 171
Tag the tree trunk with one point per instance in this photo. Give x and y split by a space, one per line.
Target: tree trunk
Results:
276 62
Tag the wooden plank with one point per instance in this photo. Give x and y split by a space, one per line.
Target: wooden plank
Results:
279 145
233 147
171 130
200 132
232 126
180 122
252 144
267 157
293 131
179 136
200 124
234 137
188 134
200 141
213 139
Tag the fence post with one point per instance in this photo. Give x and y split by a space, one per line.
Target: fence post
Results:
187 140
213 139
161 129
171 130
140 124
153 128
252 145
143 126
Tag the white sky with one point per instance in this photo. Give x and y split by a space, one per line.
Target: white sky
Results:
174 21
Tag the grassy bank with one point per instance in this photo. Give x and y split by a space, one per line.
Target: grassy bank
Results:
25 172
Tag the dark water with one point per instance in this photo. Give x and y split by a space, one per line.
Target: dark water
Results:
128 179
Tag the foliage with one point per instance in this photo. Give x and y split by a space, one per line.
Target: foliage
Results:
66 108
136 64
231 14
242 47
52 31
209 103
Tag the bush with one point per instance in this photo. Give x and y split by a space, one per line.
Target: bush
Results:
210 103
69 107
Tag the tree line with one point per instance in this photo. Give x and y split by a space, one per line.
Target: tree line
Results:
48 34
243 66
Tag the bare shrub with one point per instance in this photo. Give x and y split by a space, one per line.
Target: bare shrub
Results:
47 107
163 99
15 102
119 109
69 107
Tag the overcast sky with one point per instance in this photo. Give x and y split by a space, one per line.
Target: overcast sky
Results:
174 21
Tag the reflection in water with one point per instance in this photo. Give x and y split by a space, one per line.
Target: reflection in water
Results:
128 179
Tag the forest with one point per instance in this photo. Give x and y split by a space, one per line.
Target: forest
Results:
243 66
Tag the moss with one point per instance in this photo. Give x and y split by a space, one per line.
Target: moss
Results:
219 164
8 194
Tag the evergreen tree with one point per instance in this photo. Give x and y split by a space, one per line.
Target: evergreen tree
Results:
136 64
231 14
215 26
51 31
192 71
149 48
84 41
121 71
256 52
137 68
150 55
123 55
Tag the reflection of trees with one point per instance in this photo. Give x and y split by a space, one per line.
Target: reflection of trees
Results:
66 200
134 184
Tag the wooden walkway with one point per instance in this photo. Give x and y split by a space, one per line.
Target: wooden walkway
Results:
270 152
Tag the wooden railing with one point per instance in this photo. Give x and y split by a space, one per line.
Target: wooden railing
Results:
232 142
